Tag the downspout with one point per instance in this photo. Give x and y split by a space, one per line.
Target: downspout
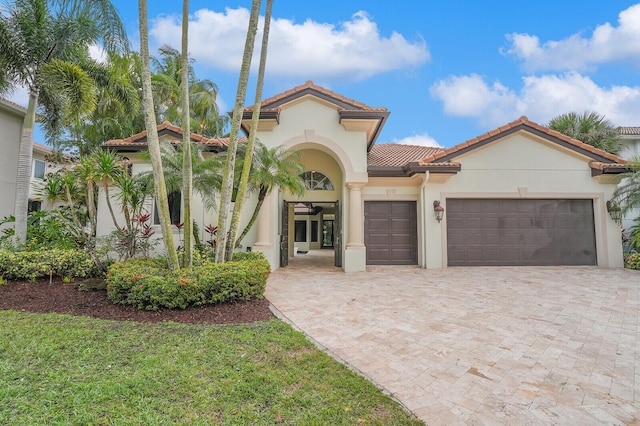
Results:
423 221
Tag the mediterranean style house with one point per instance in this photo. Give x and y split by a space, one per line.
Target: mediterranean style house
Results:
518 195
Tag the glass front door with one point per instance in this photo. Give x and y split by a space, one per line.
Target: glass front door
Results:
327 234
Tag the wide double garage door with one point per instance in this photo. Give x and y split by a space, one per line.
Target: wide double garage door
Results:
515 232
391 232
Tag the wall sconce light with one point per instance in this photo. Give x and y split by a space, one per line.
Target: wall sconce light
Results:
438 210
614 211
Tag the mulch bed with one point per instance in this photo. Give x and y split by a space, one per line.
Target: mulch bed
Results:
42 297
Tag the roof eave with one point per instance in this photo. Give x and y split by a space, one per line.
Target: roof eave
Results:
247 115
596 171
380 116
412 169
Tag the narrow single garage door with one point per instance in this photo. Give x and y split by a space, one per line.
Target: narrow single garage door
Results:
390 232
520 232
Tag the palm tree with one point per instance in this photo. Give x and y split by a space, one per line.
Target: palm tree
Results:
206 175
117 113
108 166
187 167
590 127
39 42
153 141
205 113
86 172
224 222
273 168
246 169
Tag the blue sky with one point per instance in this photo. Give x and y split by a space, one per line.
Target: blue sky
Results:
447 71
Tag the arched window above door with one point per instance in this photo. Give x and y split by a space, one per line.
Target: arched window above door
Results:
316 181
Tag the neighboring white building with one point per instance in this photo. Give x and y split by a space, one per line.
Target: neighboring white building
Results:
41 166
11 119
521 194
630 137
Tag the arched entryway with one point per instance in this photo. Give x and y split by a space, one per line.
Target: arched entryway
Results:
314 221
310 227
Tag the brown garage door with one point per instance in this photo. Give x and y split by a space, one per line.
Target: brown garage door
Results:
390 232
520 232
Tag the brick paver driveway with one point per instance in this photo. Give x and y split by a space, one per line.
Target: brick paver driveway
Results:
548 345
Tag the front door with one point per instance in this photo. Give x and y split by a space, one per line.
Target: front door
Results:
337 237
284 235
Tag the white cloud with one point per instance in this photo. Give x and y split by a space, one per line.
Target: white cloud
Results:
540 98
423 140
606 44
353 50
20 96
97 53
472 96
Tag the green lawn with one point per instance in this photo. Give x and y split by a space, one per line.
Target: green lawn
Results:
60 369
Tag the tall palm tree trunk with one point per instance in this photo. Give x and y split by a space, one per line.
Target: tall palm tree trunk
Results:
228 174
25 159
187 167
246 168
153 142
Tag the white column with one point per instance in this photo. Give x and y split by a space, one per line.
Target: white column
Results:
356 218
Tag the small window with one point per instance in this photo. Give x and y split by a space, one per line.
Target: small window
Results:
175 208
34 206
314 231
39 168
300 235
316 181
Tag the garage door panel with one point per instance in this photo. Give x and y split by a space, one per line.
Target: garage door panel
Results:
520 232
400 223
380 223
379 209
380 238
402 209
391 232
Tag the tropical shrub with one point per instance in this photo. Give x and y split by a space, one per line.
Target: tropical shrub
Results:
45 229
31 265
632 261
148 283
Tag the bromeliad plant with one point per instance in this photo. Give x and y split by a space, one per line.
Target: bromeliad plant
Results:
212 231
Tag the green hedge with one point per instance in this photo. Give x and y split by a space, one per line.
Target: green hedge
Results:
31 265
632 261
148 284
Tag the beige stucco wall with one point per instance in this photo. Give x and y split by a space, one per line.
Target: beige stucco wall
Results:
521 166
10 130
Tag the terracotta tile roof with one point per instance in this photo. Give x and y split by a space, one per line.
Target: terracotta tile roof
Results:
519 124
41 147
629 131
603 166
307 87
398 155
140 139
13 104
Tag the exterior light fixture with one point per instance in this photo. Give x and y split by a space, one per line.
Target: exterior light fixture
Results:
614 211
438 210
